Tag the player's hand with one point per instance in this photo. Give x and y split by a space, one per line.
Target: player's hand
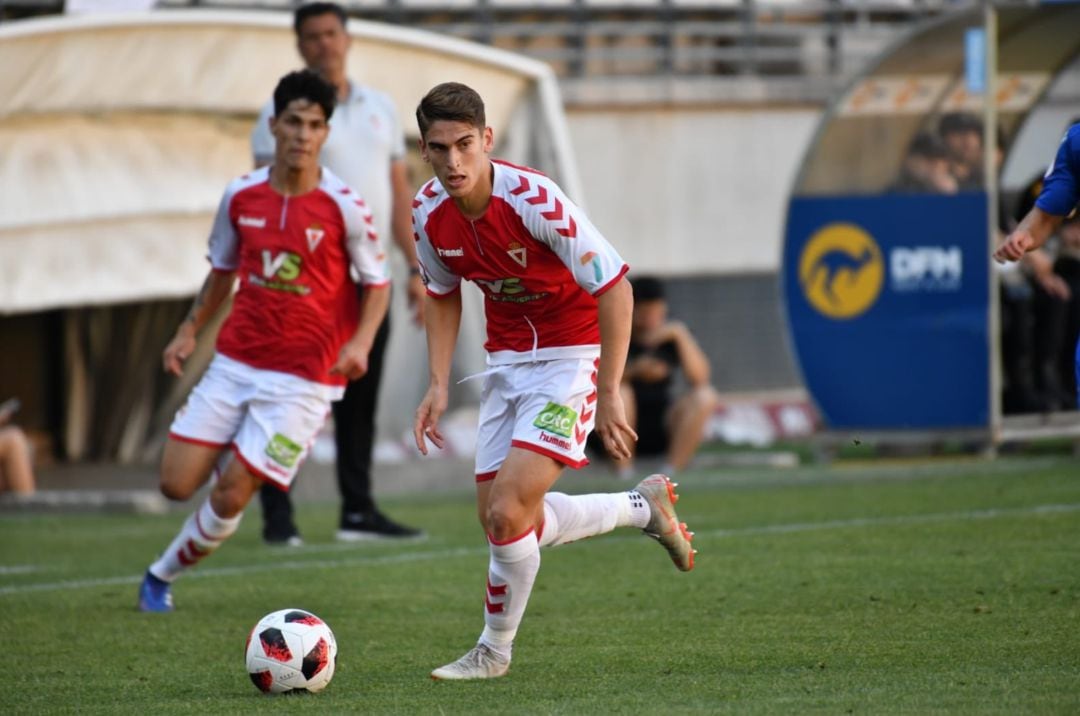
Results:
415 294
179 350
1015 246
352 361
426 424
613 427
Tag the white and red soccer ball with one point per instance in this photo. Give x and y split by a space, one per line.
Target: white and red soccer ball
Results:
291 650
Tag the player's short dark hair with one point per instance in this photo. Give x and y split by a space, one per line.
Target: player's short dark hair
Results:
929 145
452 102
304 84
957 122
315 9
647 288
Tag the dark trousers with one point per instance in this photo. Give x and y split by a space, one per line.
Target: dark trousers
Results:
354 433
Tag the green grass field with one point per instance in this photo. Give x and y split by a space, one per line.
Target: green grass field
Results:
913 587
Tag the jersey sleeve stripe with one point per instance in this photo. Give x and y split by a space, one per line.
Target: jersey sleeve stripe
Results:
607 286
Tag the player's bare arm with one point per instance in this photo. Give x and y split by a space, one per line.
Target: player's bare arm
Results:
1034 229
442 319
352 360
615 308
215 289
402 232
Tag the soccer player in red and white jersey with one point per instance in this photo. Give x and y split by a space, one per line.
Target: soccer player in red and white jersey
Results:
558 325
296 331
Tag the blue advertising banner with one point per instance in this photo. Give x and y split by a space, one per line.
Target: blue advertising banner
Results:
975 60
887 302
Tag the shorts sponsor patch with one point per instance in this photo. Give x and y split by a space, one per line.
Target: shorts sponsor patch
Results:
558 419
283 451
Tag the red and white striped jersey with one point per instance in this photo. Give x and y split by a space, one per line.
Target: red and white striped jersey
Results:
296 304
538 260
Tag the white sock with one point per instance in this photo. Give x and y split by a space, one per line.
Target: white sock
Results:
202 533
568 518
511 573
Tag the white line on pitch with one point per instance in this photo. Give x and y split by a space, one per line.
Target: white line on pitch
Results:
405 557
18 568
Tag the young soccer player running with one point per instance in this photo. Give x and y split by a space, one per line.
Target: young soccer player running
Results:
558 324
296 331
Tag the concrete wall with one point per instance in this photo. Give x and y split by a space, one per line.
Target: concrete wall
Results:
692 190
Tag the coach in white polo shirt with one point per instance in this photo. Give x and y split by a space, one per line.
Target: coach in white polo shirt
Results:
366 148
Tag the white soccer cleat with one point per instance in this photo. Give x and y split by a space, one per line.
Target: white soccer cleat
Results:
664 525
481 662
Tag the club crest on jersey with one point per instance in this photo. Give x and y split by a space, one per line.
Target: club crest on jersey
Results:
314 235
517 253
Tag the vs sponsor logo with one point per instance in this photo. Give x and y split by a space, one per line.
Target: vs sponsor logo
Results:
280 272
284 265
508 286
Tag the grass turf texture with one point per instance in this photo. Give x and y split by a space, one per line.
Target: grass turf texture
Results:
878 587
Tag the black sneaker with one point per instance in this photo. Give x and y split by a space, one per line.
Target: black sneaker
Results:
360 526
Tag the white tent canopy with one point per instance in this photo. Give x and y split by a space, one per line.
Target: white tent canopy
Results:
118 134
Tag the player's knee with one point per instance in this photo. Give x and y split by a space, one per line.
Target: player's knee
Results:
228 501
174 487
506 519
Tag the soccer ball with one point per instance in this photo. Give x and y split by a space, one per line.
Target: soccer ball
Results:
291 650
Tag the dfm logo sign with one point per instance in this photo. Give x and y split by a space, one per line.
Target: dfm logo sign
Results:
926 268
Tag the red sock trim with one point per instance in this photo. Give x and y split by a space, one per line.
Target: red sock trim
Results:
500 543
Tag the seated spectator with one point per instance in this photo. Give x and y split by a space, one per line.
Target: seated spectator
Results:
659 350
962 134
16 470
926 168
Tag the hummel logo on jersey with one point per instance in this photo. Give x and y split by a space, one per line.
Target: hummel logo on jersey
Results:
451 252
258 222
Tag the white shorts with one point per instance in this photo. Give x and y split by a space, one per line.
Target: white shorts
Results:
269 418
548 407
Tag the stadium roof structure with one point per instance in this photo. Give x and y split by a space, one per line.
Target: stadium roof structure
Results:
862 138
119 132
890 293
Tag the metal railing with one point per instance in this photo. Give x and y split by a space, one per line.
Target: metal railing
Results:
775 43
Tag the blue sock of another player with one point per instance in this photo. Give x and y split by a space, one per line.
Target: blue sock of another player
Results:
202 533
511 573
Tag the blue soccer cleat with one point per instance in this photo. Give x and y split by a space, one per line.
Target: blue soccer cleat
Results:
154 595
